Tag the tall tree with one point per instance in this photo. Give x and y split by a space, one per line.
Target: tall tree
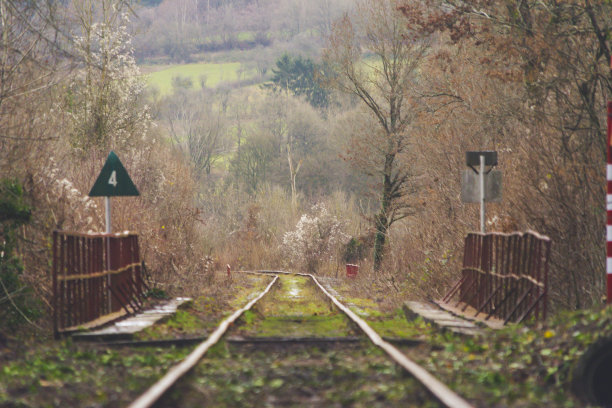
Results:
33 51
382 82
252 160
299 75
197 129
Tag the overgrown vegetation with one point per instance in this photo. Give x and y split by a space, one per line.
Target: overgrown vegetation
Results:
16 299
520 365
350 376
66 374
239 175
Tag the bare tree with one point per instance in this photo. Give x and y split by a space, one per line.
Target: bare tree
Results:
197 129
382 83
32 49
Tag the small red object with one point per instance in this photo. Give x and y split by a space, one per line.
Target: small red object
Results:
228 270
351 270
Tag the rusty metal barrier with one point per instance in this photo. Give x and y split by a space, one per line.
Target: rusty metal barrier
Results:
503 276
94 276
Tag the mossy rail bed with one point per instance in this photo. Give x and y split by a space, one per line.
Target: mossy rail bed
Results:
300 306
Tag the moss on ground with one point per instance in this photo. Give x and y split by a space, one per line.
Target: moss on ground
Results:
204 314
355 376
66 374
63 374
295 308
526 365
520 365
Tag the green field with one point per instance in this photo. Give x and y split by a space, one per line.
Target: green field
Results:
215 74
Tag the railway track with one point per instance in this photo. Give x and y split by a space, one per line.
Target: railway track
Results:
271 353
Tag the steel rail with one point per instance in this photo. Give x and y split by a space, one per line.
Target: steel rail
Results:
438 389
163 384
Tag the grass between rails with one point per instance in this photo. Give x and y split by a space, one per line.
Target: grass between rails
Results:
519 366
295 308
203 315
332 375
355 376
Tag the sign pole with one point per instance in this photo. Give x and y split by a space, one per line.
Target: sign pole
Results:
108 250
108 214
481 175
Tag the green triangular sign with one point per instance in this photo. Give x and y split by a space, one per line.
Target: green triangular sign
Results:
113 180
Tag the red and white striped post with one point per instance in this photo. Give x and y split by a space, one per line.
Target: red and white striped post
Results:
609 202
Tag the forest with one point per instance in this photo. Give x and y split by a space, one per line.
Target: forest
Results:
302 135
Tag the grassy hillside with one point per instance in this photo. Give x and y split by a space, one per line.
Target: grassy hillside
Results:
160 76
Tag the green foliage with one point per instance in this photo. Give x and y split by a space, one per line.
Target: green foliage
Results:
13 209
355 250
16 301
299 75
156 293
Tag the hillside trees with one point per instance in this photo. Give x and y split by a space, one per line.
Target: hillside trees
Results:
383 84
252 161
298 75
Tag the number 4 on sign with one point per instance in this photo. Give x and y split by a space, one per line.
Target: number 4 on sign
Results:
113 179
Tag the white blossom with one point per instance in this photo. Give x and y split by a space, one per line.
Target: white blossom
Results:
104 98
314 239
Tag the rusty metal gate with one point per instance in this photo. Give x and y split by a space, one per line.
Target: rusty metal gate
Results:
94 276
503 276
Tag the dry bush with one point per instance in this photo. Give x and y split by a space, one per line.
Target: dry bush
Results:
317 238
245 231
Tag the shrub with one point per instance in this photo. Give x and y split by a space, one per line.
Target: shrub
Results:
16 302
315 238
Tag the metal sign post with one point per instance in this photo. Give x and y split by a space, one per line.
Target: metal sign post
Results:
113 181
107 206
481 175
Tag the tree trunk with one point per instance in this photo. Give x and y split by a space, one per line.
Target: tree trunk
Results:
382 218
